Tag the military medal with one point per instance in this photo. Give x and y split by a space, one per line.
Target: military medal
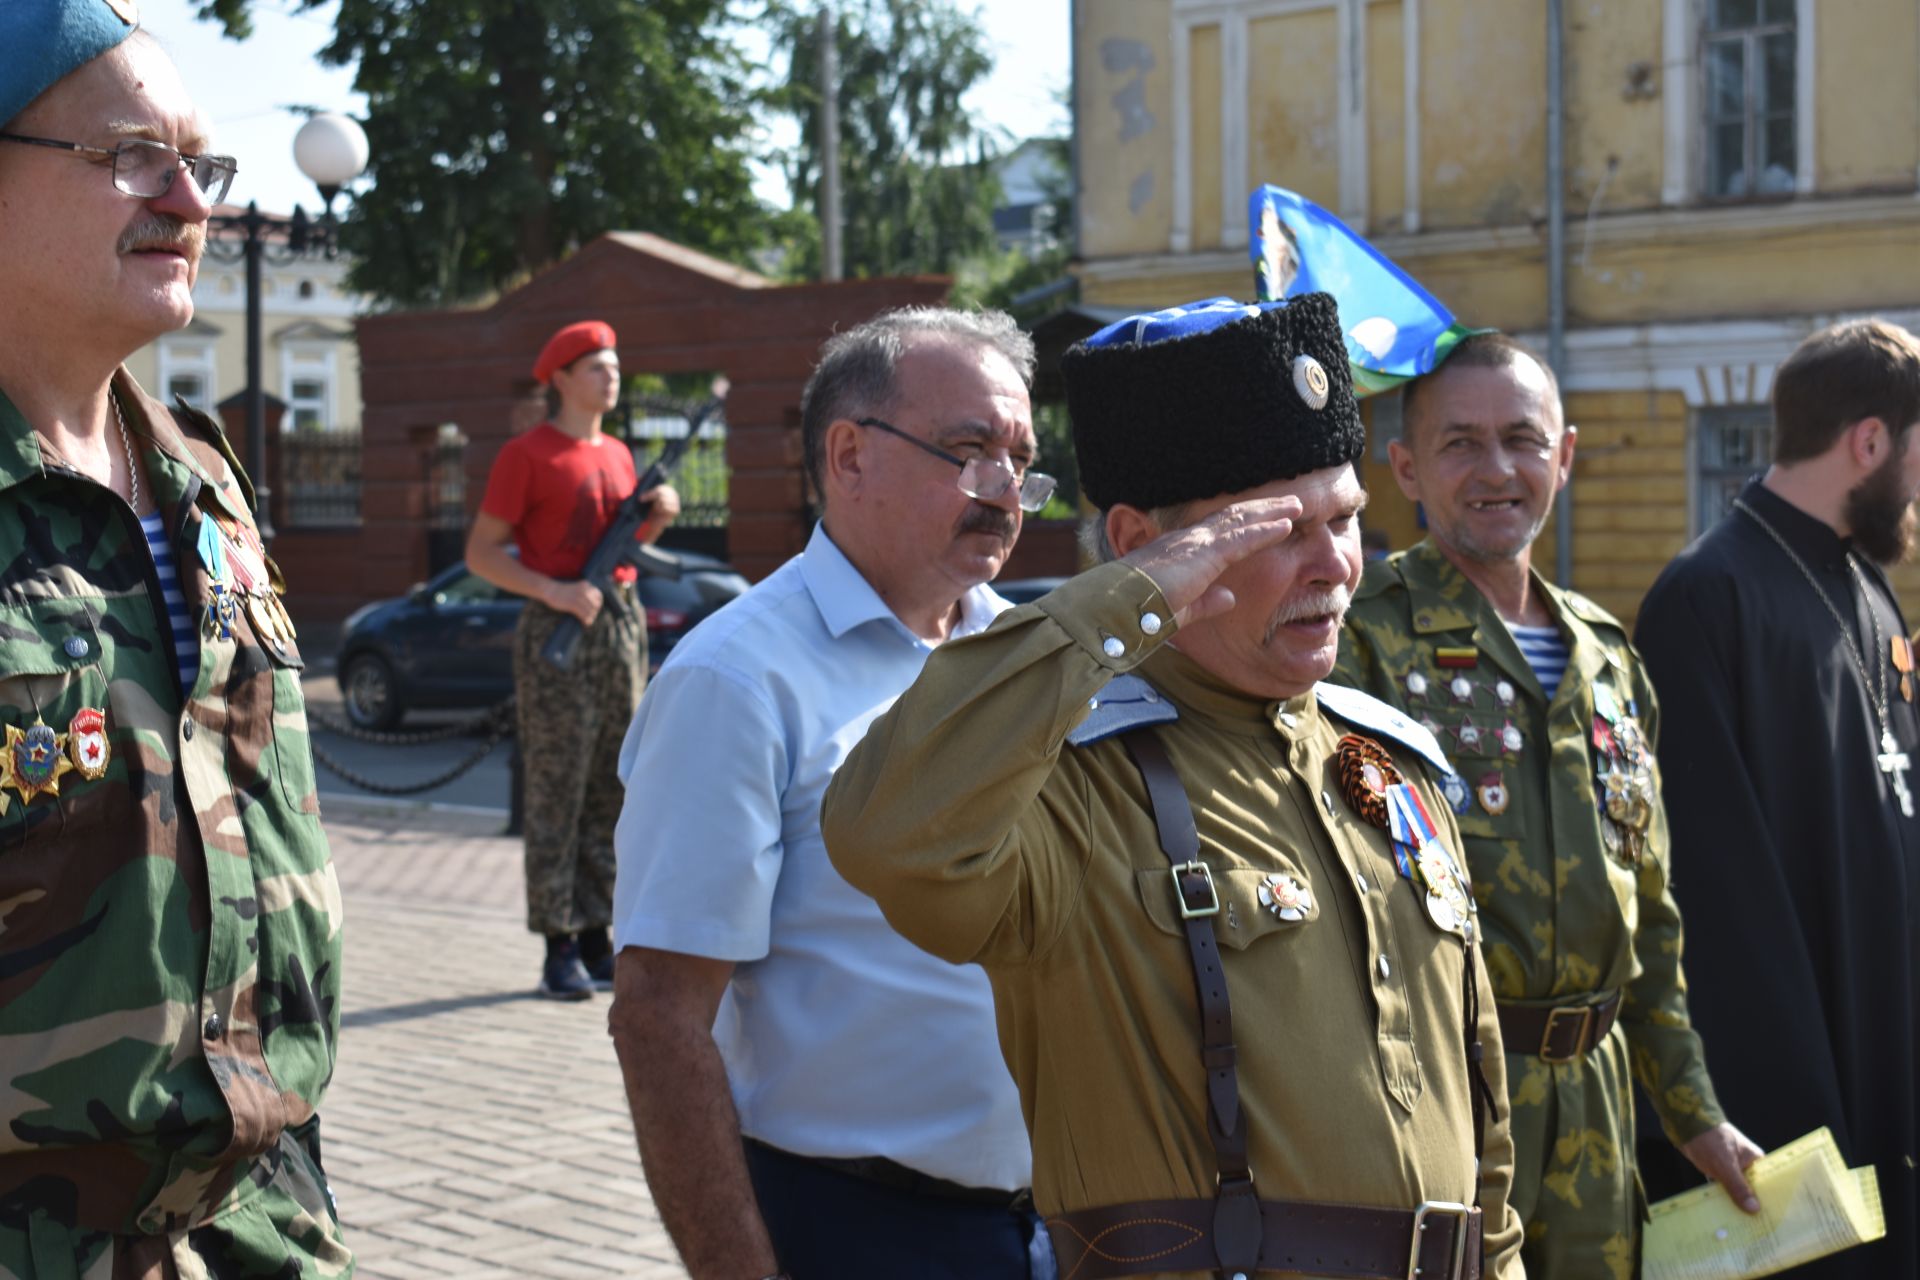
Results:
1492 793
1432 866
1416 684
36 758
1511 739
1454 788
1469 735
1503 690
1286 897
1456 656
1462 689
1366 771
87 743
222 608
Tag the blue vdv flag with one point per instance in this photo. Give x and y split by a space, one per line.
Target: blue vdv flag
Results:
1395 329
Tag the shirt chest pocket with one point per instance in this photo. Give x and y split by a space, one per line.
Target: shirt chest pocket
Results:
64 746
1255 903
267 741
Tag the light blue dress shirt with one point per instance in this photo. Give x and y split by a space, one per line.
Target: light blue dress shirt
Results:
840 1038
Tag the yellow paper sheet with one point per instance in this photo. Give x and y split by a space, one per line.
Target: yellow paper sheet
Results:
1811 1205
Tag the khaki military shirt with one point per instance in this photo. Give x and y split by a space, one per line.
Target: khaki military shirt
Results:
169 917
986 838
1573 902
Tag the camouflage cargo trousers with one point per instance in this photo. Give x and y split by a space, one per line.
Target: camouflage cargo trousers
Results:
278 1221
1574 1182
571 724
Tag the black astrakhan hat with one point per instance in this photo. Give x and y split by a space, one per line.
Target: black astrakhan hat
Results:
1214 397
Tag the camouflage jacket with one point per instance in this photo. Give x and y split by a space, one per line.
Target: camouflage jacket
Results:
1558 803
169 917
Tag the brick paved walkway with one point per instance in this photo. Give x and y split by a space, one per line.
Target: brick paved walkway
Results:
472 1130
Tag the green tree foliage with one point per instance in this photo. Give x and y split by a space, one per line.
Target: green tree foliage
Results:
916 185
506 132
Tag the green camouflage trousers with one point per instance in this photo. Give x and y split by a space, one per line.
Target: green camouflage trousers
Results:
1574 1183
278 1221
571 724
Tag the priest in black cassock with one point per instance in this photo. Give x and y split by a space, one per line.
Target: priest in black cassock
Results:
1789 738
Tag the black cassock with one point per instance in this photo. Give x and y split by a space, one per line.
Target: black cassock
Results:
1797 874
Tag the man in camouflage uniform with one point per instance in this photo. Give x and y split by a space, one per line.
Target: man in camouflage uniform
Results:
169 918
1558 802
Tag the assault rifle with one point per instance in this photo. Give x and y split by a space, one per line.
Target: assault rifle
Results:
618 546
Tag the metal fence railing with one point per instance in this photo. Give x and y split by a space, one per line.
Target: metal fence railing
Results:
320 479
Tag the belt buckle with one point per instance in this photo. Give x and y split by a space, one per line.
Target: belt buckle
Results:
1585 1014
1460 1213
1212 905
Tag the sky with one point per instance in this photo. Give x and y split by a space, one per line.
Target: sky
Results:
246 88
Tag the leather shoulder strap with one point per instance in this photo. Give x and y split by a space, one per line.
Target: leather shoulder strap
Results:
1237 1226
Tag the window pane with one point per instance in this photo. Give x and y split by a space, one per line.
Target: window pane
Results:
1727 161
1776 156
1727 79
308 389
1726 14
1777 11
1777 68
190 387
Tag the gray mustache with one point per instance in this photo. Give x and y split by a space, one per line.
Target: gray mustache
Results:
993 520
156 231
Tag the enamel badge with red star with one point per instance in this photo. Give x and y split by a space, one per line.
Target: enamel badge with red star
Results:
87 743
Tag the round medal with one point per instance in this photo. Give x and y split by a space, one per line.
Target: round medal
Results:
1462 689
1441 912
1366 771
1416 684
1510 738
1504 691
1286 897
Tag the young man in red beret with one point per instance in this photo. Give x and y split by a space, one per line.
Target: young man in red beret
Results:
552 493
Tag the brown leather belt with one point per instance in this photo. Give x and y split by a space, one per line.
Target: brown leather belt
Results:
1558 1033
1437 1241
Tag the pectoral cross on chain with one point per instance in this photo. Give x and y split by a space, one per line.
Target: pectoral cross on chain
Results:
1894 763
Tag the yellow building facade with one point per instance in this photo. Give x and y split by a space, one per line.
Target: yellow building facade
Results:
1736 174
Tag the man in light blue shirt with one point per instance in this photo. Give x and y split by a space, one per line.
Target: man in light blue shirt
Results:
814 1096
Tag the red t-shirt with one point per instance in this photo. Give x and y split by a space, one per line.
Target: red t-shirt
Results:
560 494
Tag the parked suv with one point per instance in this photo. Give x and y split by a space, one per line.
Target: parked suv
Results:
448 643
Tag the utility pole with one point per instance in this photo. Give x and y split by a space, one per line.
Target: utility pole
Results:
831 268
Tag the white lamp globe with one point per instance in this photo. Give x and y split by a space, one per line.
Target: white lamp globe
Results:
331 149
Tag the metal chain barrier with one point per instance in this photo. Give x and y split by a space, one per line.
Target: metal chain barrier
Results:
501 725
419 736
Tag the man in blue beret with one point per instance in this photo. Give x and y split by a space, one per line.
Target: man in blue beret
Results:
169 917
1235 963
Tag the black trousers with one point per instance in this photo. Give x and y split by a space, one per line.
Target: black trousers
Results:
830 1225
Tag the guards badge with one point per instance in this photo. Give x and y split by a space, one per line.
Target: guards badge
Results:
87 743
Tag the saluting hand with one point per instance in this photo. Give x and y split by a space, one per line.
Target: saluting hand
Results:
1723 1154
1186 563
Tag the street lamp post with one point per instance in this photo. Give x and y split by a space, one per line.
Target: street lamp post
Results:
331 149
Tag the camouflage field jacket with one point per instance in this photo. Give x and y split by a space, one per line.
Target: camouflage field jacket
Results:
1558 801
169 917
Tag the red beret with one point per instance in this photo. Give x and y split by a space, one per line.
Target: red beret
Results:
568 345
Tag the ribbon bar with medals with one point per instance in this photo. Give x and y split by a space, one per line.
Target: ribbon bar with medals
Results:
1433 867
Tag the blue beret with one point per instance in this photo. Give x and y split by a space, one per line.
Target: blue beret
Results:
45 39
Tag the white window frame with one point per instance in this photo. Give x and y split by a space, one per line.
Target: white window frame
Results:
1683 176
1350 73
186 354
309 359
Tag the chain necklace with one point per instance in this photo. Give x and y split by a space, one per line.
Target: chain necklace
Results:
126 442
1893 761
